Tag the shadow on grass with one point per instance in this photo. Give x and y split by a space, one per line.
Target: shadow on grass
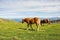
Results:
26 29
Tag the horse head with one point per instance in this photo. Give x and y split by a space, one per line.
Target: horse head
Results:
22 20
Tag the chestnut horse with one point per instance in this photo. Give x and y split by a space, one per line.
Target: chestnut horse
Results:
45 21
31 21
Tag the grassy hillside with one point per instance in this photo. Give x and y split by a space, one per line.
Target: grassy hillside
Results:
12 30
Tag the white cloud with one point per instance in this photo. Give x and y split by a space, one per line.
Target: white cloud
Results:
10 8
31 6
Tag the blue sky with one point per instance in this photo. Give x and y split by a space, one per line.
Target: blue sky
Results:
29 8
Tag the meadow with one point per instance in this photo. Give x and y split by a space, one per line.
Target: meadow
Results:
12 30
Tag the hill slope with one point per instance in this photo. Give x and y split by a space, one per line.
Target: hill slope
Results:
12 30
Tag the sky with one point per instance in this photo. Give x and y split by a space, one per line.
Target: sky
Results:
29 8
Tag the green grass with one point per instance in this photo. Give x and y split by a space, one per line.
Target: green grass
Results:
11 30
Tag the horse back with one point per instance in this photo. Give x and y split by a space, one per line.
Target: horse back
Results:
27 20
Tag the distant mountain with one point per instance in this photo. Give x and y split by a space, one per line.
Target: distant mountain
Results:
52 19
17 19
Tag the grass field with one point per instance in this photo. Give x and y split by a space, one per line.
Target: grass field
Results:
11 30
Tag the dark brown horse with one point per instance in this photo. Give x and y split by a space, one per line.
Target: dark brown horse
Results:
45 21
31 21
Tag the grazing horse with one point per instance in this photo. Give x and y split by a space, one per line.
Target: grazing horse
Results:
31 21
45 21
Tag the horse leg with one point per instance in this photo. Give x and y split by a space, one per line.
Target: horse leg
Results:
27 26
31 26
37 29
41 24
48 22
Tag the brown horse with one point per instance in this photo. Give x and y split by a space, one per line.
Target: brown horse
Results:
31 21
45 21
